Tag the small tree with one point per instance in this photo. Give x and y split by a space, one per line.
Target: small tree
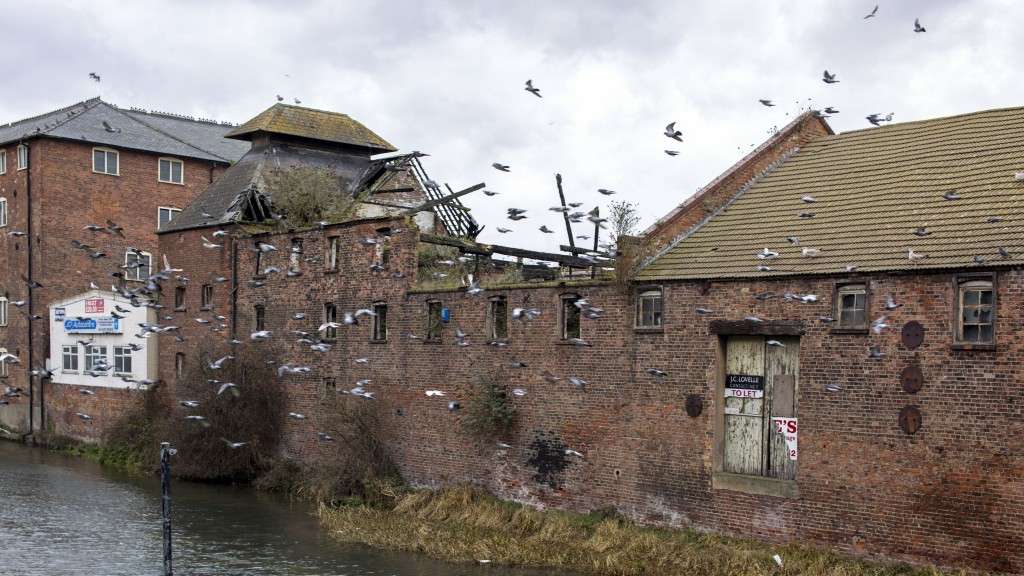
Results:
489 412
623 218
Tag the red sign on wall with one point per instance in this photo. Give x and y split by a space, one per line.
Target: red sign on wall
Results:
94 306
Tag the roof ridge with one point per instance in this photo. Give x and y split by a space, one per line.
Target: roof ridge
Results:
932 120
168 135
185 117
87 103
331 112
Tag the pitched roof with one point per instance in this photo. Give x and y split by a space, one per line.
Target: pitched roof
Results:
312 124
872 188
132 129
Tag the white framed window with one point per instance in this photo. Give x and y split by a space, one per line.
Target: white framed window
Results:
170 171
649 308
4 365
3 311
3 212
3 161
330 315
122 360
331 256
164 215
95 356
137 265
22 157
104 161
69 358
976 320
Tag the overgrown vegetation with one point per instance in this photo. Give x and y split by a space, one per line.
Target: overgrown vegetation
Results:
465 524
255 416
353 465
489 412
305 195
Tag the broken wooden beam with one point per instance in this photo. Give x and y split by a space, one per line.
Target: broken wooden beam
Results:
467 246
578 250
444 199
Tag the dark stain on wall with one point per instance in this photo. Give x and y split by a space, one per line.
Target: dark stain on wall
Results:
548 459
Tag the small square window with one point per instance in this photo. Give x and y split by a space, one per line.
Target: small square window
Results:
22 157
330 315
104 161
69 358
164 216
976 315
649 309
570 317
851 306
171 171
207 297
434 322
380 322
498 318
331 255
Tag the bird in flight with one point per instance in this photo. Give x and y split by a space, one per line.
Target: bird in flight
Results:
917 26
873 12
672 152
499 166
529 88
94 76
672 133
768 103
829 78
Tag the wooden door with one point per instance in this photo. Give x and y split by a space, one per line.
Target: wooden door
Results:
782 368
744 417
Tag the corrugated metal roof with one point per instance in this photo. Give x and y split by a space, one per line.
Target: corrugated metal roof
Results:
873 188
312 124
130 129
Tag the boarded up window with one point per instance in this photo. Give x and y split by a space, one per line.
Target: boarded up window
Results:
760 406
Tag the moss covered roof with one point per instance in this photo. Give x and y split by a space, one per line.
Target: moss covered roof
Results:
872 189
312 124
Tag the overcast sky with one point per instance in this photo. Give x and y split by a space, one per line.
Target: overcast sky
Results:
447 78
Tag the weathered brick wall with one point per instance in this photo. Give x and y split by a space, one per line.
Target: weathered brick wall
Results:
66 196
105 408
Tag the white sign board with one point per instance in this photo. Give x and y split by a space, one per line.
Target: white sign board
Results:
788 428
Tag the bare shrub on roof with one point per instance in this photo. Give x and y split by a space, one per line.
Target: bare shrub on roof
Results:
305 195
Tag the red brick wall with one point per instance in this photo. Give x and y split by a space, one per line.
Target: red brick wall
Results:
67 195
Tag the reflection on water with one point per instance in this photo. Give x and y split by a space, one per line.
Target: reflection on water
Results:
61 516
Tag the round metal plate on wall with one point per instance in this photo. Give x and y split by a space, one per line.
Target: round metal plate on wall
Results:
912 379
694 405
910 419
913 334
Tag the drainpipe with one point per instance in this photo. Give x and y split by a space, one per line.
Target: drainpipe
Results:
234 287
28 253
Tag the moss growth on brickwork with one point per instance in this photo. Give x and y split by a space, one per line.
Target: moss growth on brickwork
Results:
489 412
467 525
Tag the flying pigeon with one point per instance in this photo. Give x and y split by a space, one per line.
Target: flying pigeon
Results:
529 88
828 78
672 152
766 102
672 133
501 167
873 12
917 26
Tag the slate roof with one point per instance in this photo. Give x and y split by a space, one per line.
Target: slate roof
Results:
872 188
312 124
136 129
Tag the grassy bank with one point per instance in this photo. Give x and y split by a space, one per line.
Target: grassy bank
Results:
466 525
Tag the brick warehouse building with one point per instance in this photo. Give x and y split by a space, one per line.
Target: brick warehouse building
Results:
858 386
80 165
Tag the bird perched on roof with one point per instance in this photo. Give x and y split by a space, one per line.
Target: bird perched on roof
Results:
296 100
873 12
922 231
917 26
500 167
951 195
767 254
830 110
809 199
810 252
911 255
766 102
1003 252
828 78
280 98
1019 176
529 88
671 132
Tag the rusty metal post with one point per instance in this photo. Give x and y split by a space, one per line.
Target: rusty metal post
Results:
165 503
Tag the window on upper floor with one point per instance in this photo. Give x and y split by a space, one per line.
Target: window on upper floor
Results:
331 254
171 171
3 311
69 358
122 360
179 297
380 322
649 308
179 365
138 265
206 301
4 373
3 212
498 318
330 317
22 157
570 317
976 312
164 215
852 306
95 357
104 161
3 161
434 321
295 256
260 315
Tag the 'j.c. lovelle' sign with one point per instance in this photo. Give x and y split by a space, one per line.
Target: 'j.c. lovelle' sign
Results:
744 386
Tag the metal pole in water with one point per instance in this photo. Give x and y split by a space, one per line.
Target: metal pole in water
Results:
165 507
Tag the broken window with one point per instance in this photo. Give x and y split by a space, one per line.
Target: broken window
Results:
331 255
434 323
328 388
380 322
570 317
976 317
649 308
498 318
851 304
330 315
207 297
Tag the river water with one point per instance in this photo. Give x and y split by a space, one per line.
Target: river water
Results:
61 516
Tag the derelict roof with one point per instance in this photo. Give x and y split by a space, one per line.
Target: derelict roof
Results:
312 124
873 188
134 128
